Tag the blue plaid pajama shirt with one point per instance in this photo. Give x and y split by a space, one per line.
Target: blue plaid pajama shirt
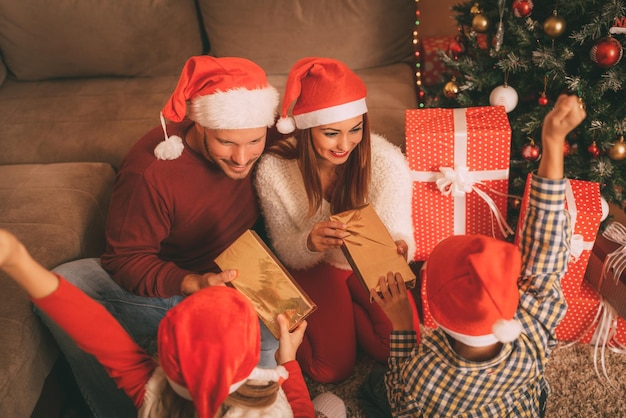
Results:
431 380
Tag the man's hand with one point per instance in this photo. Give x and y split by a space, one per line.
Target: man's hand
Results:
394 301
289 341
325 235
194 282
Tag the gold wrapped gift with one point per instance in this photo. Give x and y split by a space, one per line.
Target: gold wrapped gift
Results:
265 281
370 249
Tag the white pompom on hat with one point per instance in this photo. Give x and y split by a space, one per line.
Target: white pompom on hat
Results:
224 93
324 91
472 291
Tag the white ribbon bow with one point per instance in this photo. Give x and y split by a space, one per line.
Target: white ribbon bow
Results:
577 241
459 181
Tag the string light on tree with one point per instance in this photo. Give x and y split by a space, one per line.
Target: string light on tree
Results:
417 52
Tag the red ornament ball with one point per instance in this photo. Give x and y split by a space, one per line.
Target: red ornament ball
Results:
594 150
567 149
455 49
531 152
606 52
543 100
522 8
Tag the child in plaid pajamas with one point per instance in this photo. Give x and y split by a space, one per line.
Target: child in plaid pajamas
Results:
496 326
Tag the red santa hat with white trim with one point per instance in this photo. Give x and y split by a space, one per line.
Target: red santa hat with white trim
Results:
472 291
209 345
324 90
223 93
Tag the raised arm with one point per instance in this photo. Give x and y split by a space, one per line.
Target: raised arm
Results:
568 112
86 321
31 276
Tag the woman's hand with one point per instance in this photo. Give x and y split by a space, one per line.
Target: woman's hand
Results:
289 341
403 248
394 301
326 235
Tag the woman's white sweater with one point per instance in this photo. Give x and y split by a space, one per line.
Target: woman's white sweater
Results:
284 204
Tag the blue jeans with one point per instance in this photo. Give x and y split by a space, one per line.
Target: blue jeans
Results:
139 315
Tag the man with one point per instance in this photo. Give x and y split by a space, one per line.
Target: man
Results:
182 195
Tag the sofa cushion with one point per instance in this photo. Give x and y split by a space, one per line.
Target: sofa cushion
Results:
276 33
87 119
3 71
68 38
58 211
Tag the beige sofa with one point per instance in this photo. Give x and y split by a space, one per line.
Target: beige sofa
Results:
80 82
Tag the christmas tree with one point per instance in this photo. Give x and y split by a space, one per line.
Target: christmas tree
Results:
522 55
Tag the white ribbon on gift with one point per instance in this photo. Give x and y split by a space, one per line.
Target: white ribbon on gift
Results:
577 241
459 181
615 262
606 318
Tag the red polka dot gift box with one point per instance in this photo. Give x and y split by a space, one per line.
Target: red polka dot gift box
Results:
579 322
459 161
590 319
582 201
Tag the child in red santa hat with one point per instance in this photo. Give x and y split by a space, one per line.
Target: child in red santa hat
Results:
496 307
208 349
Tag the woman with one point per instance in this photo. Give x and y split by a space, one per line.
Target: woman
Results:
206 366
332 163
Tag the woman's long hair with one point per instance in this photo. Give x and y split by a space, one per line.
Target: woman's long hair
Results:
353 177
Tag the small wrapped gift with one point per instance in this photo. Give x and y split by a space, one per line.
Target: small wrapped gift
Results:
459 160
582 201
370 248
265 282
607 263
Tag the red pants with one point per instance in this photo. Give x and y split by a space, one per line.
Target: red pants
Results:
344 317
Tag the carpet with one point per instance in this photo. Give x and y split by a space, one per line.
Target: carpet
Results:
576 389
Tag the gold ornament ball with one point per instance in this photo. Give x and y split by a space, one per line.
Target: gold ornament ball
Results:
480 23
618 150
554 26
450 90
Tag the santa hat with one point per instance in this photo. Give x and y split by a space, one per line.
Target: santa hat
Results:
471 289
224 93
324 91
209 345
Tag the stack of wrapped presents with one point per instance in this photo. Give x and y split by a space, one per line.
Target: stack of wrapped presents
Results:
459 160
